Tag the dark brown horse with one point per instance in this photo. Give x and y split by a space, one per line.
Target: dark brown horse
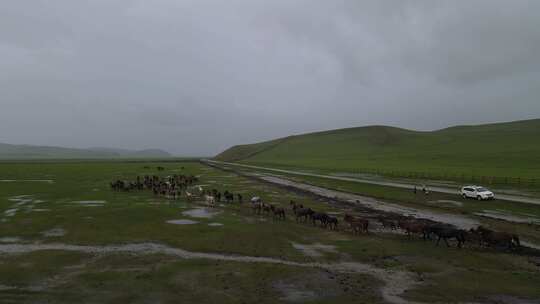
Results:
449 233
332 222
321 217
303 213
279 213
495 238
358 225
412 227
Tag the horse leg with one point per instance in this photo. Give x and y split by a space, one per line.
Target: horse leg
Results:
446 241
438 240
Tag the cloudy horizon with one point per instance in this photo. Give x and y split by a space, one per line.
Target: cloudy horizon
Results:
196 77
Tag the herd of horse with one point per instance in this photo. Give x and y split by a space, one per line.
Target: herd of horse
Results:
426 229
173 186
170 186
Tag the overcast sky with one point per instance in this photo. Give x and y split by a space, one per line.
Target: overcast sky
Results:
195 77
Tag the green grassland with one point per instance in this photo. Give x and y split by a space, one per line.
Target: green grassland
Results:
501 150
60 276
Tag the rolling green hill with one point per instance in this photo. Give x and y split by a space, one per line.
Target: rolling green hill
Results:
12 152
503 149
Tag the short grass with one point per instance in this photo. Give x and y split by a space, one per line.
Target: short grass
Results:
67 277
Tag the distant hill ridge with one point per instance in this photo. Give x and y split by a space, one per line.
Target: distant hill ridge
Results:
502 149
9 151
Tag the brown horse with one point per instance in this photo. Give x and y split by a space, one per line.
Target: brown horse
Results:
279 213
412 227
358 225
490 237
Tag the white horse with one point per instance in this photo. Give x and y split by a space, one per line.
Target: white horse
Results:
210 200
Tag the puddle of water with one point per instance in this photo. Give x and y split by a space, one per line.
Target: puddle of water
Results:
55 232
182 222
11 212
41 210
49 181
10 239
89 202
96 203
215 224
201 213
314 250
21 199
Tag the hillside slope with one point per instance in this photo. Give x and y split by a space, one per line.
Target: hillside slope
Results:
501 149
8 151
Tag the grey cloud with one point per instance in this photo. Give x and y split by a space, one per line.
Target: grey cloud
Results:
195 77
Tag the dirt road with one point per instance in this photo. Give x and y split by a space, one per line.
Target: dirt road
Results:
506 197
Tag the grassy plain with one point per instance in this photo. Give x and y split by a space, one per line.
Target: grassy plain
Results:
63 276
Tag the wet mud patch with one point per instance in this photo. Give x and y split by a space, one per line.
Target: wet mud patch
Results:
201 213
372 203
500 215
506 299
447 203
327 285
295 294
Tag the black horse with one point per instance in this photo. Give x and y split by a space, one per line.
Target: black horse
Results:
332 222
321 217
303 213
449 233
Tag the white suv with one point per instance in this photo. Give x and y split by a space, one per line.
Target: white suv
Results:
480 193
